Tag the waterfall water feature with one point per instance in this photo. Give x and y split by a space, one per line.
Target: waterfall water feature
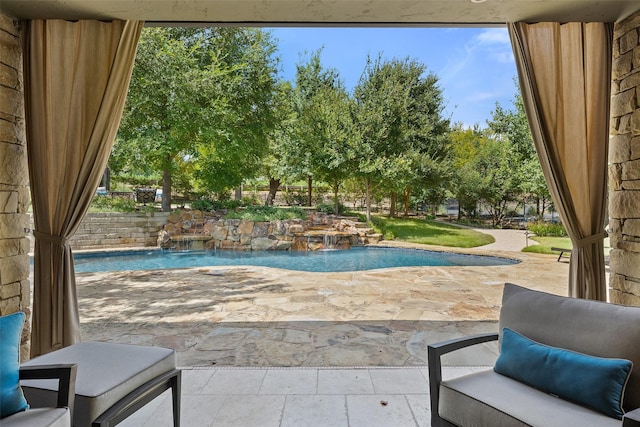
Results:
182 245
329 240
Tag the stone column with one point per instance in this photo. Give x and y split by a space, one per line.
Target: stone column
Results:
14 192
624 164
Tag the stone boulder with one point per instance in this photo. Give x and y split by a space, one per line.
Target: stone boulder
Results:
263 244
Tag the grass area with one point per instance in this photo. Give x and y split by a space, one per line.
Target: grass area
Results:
546 243
429 232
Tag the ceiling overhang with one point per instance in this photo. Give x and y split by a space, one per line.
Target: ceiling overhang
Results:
326 12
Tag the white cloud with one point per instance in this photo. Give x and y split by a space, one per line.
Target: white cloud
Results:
494 36
491 45
479 73
483 96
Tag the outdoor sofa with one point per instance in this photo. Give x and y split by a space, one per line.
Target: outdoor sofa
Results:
562 362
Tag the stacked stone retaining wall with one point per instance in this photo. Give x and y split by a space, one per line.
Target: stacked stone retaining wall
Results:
118 230
624 160
196 230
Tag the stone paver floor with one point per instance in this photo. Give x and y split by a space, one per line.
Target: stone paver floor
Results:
298 397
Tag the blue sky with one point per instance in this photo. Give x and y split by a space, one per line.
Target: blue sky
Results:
475 66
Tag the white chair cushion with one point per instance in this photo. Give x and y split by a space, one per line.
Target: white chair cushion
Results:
106 373
41 417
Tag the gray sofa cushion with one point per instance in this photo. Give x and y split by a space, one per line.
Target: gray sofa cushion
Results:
489 399
40 417
571 324
106 373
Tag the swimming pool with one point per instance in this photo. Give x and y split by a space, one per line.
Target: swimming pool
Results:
354 259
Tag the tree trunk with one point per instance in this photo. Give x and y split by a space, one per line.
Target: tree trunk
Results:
336 185
309 190
368 199
106 179
392 204
166 190
407 192
274 184
238 193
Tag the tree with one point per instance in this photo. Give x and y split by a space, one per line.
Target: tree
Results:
499 186
513 126
328 116
235 150
199 98
155 119
466 147
484 165
282 141
318 144
497 165
398 120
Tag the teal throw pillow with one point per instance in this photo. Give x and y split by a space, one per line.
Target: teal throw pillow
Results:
591 381
11 398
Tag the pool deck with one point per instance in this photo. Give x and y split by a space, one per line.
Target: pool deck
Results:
265 317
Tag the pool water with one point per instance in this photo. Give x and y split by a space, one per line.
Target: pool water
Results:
354 259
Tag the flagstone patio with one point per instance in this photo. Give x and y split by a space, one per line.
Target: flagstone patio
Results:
264 317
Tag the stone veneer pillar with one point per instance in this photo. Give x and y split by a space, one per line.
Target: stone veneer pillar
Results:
14 192
624 164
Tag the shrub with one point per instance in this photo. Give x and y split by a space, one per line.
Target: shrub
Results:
330 208
226 204
208 205
250 201
112 204
547 229
266 213
202 205
294 198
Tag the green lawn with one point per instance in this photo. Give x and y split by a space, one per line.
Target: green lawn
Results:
546 243
429 232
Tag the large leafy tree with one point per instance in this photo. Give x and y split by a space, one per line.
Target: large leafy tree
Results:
158 113
496 166
513 126
402 134
282 141
484 172
199 99
236 149
318 146
334 159
467 146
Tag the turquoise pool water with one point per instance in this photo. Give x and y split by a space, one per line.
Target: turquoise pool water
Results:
354 259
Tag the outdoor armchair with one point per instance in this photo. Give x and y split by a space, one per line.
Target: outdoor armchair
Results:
58 416
563 362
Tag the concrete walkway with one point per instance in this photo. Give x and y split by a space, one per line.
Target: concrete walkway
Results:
506 240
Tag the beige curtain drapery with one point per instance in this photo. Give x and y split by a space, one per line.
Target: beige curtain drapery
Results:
565 79
76 78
